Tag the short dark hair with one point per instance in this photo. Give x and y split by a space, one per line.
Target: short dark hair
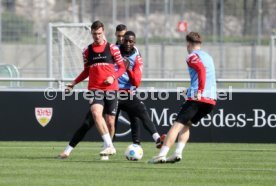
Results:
96 25
121 27
193 37
130 33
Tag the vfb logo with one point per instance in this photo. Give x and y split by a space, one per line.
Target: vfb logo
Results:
43 115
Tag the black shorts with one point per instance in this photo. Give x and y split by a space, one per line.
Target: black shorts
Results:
131 104
193 111
108 99
136 110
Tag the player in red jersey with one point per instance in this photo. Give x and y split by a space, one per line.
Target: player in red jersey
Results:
201 99
135 109
99 65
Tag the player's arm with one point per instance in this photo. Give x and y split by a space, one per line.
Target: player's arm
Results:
195 63
118 60
84 74
115 52
135 75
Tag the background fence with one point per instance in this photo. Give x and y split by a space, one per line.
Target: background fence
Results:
236 33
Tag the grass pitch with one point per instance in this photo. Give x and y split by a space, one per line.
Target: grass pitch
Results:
34 164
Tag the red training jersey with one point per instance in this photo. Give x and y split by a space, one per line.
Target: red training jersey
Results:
99 63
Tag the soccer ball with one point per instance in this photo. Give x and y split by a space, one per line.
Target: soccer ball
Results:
134 152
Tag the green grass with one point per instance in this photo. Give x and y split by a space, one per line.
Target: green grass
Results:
33 164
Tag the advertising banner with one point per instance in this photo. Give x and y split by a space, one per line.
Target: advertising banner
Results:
54 116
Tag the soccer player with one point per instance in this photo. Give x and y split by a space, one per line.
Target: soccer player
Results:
120 32
125 84
130 80
135 122
99 65
201 99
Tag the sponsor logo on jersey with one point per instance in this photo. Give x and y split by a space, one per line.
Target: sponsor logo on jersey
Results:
99 57
99 64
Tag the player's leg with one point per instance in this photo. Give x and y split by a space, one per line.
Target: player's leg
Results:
111 128
88 123
183 137
116 120
136 108
78 135
168 143
111 106
110 122
172 135
187 112
135 123
97 108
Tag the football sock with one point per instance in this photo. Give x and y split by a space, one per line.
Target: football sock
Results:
155 136
107 140
164 151
68 150
179 148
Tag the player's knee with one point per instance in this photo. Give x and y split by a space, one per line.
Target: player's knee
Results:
110 120
97 111
142 114
183 121
110 127
96 115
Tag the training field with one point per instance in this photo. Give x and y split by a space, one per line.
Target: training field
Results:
34 164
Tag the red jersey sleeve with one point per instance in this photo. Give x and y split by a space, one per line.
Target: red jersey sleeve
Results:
85 73
115 52
195 63
135 75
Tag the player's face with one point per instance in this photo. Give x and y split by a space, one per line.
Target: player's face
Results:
129 42
98 35
120 36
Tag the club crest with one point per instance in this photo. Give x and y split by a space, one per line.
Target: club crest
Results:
43 115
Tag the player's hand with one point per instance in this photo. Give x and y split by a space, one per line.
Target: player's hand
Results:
109 80
198 96
69 87
126 63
